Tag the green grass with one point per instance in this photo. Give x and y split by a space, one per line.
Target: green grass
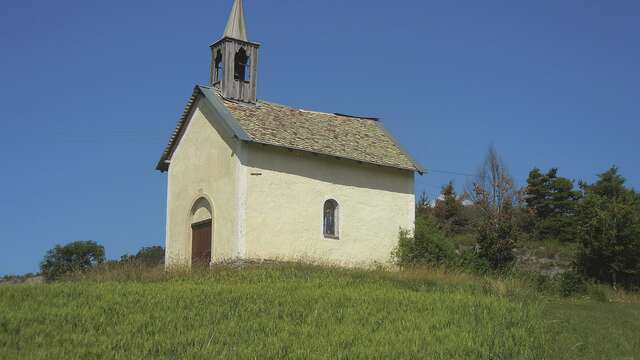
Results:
590 330
301 312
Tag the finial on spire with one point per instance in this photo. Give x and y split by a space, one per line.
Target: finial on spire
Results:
236 27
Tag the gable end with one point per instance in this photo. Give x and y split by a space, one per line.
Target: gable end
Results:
183 123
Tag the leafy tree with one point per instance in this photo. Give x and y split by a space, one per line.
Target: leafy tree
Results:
609 231
552 201
73 257
448 210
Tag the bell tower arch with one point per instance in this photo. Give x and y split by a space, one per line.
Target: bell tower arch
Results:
234 60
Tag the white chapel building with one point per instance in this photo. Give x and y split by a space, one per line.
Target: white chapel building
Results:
251 179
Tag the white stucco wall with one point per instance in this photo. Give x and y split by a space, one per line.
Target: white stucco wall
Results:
205 164
285 196
267 202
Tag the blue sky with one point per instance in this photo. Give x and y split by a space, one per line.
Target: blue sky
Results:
91 91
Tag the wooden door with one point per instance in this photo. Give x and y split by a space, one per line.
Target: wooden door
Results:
201 243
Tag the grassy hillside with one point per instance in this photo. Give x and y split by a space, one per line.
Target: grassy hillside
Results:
297 311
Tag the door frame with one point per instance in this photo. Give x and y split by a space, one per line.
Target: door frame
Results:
198 224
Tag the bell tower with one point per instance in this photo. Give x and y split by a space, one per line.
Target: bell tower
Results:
234 60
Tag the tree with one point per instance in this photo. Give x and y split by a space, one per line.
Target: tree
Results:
148 256
448 210
493 188
610 185
552 201
537 193
495 193
423 206
609 231
73 257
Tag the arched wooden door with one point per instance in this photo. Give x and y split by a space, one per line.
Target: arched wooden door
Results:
201 242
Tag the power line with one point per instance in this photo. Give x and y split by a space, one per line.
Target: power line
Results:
449 172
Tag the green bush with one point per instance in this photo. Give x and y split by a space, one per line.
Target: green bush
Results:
571 283
152 256
543 284
597 293
77 256
427 245
496 240
469 260
147 256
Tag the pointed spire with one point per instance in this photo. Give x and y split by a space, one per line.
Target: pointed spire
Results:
236 28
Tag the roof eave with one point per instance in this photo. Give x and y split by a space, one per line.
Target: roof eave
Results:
413 169
417 166
225 38
163 165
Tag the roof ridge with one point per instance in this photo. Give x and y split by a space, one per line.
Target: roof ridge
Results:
359 117
320 112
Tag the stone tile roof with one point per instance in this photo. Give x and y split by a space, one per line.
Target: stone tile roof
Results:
349 137
356 138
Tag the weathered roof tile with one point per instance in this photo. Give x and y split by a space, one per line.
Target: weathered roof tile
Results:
356 138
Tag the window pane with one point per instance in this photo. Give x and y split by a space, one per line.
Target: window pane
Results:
329 218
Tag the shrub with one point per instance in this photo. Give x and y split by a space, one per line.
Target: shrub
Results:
543 283
428 245
73 257
469 260
496 240
597 292
147 256
152 256
571 283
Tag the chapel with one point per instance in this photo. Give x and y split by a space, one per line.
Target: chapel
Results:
252 179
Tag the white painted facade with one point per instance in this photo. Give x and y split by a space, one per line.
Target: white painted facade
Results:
267 202
204 168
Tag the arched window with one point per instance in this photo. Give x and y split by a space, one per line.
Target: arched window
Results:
241 68
218 66
330 219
